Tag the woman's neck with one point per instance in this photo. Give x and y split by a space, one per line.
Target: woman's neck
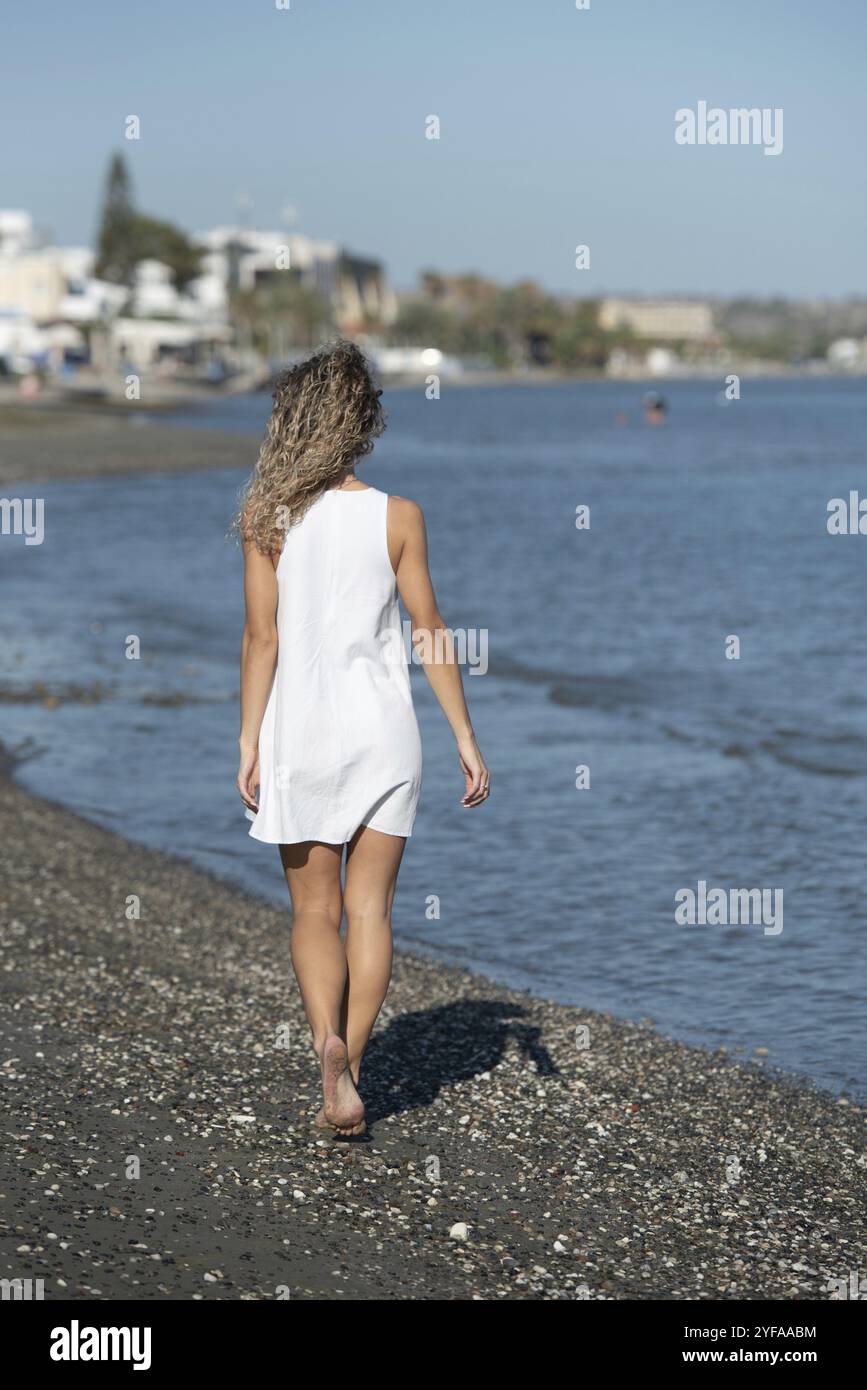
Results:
346 481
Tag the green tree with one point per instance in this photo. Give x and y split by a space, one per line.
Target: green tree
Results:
580 342
281 314
162 241
519 325
116 253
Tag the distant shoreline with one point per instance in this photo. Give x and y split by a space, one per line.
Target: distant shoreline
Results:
163 397
52 439
73 443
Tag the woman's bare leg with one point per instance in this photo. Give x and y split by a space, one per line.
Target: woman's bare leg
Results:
318 958
372 863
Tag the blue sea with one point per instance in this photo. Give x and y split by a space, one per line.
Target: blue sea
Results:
607 650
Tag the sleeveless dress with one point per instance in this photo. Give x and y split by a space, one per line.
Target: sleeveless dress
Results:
339 746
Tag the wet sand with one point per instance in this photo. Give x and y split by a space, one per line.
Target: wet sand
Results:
55 442
159 1093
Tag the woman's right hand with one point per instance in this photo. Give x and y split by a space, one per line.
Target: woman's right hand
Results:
475 770
248 777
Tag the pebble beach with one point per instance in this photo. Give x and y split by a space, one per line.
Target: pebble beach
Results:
159 1092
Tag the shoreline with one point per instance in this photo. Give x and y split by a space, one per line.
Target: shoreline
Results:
55 694
85 444
119 439
637 1167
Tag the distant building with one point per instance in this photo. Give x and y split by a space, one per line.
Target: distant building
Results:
36 286
144 343
22 344
33 283
158 323
655 320
641 362
415 362
355 288
16 232
53 308
49 284
848 354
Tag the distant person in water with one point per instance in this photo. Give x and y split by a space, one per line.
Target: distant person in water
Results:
330 750
655 408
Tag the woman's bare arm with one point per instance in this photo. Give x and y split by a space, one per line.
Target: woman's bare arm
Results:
258 661
407 543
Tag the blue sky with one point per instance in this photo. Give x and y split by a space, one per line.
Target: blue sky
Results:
557 128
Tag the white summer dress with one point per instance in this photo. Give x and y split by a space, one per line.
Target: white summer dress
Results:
339 746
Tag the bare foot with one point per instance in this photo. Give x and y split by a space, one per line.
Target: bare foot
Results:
343 1108
321 1122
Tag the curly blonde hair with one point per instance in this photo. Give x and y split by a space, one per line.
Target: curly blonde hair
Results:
326 415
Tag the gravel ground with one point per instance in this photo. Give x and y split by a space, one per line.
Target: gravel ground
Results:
506 1159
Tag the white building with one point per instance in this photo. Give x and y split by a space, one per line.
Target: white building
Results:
237 258
142 342
52 304
16 231
666 320
21 343
848 354
415 362
49 284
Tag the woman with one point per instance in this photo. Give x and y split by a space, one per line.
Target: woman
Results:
330 750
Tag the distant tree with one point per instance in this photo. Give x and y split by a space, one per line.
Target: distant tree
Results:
154 240
528 320
116 252
281 314
519 325
127 237
433 283
580 343
421 322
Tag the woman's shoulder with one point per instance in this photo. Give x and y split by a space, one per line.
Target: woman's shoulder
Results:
405 512
405 528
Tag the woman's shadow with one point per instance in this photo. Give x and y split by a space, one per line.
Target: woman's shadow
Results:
409 1061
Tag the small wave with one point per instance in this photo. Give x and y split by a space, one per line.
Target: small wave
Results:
51 695
735 750
567 688
601 692
816 753
679 735
170 699
830 755
726 750
506 668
